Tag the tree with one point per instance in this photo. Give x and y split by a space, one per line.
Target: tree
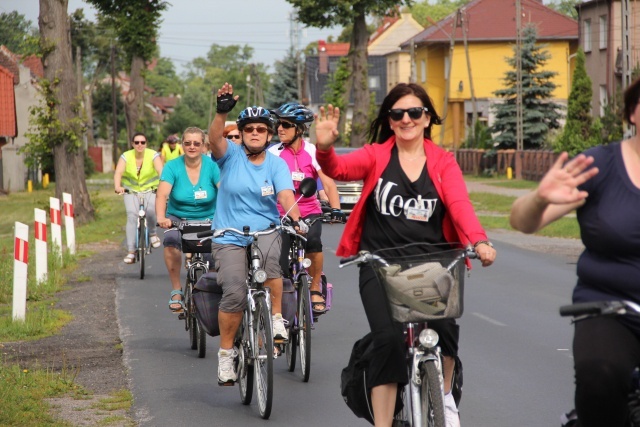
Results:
539 114
334 91
436 11
164 79
136 23
579 133
567 7
18 33
59 123
284 87
327 13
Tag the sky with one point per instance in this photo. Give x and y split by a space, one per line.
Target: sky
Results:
190 27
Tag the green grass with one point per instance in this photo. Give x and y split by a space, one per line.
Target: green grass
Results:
490 202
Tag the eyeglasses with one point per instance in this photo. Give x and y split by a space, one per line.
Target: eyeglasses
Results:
250 129
287 125
140 142
190 143
233 136
414 113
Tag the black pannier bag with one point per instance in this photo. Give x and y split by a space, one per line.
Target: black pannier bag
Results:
193 245
207 295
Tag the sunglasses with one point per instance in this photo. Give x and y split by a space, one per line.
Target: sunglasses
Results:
250 129
190 143
287 125
234 136
414 113
140 142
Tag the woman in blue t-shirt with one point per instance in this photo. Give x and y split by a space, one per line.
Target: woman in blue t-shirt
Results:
188 190
606 350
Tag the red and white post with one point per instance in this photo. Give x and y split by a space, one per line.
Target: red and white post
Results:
20 260
56 225
41 245
69 223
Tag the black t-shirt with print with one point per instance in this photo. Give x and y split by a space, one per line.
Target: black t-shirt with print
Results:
400 212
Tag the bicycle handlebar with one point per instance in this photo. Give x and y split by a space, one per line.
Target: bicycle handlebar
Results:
365 256
130 191
584 310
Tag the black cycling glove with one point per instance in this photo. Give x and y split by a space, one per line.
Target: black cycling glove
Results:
225 103
337 215
302 226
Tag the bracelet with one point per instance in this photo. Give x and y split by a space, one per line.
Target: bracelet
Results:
482 242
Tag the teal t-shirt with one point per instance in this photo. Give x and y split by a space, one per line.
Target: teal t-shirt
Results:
188 201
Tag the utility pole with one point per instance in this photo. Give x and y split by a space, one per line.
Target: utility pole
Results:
412 54
519 124
294 25
474 106
114 109
626 56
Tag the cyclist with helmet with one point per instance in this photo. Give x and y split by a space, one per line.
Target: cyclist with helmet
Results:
300 155
252 183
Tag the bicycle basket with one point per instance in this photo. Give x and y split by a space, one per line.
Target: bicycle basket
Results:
193 246
424 287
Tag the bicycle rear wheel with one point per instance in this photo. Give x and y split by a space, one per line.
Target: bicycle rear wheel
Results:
431 396
142 245
291 347
244 368
188 311
304 327
263 362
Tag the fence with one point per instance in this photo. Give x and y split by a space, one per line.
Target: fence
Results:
535 163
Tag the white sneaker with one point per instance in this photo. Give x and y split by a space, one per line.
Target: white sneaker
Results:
226 366
451 415
155 241
279 327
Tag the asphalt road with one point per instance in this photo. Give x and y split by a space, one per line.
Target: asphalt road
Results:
517 369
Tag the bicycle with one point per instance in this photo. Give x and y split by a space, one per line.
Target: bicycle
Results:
196 267
254 339
143 246
423 396
587 310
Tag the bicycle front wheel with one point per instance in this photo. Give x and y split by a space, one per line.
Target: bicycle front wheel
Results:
142 245
263 362
198 330
244 370
431 396
304 327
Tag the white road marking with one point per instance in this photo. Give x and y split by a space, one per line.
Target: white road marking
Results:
488 319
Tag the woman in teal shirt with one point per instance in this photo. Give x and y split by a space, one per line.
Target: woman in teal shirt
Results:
188 191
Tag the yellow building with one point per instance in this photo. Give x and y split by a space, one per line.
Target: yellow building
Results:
490 32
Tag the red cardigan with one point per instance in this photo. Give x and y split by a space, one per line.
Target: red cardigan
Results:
460 224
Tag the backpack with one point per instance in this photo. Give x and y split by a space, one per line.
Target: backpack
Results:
353 381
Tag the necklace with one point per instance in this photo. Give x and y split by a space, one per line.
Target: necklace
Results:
410 159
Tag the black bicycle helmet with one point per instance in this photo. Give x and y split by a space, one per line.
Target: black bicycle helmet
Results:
295 113
256 115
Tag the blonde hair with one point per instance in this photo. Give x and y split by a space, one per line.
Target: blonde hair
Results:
193 129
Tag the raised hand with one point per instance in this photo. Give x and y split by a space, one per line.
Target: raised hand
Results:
560 183
226 101
327 127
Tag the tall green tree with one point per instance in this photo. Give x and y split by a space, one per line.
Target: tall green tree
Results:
539 113
284 87
328 13
18 34
579 133
164 79
136 23
567 7
426 11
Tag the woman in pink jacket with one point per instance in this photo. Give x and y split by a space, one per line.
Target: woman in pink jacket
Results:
413 192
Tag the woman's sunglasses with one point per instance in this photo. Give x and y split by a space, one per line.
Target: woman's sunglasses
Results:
140 142
250 129
233 136
414 113
194 143
287 125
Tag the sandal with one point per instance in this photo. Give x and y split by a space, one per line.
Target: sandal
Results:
176 301
130 259
315 304
155 241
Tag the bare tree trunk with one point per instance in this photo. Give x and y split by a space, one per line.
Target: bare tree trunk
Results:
133 100
360 78
68 158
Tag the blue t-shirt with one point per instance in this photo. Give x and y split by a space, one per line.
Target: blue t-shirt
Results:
609 267
249 193
188 201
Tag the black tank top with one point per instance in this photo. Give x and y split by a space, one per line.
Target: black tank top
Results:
399 212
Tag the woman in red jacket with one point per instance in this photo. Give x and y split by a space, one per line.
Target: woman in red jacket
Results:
413 192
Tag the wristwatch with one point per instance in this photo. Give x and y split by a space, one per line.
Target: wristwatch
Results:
482 242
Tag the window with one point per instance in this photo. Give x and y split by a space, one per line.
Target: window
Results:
374 82
586 34
603 99
602 40
423 71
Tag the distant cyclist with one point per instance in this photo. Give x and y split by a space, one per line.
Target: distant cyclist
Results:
171 149
138 169
253 182
603 186
293 122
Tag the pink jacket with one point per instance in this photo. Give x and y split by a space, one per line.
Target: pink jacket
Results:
460 224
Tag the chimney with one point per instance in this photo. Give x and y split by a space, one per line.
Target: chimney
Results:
323 59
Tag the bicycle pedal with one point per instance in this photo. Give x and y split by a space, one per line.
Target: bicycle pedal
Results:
280 341
182 316
226 383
